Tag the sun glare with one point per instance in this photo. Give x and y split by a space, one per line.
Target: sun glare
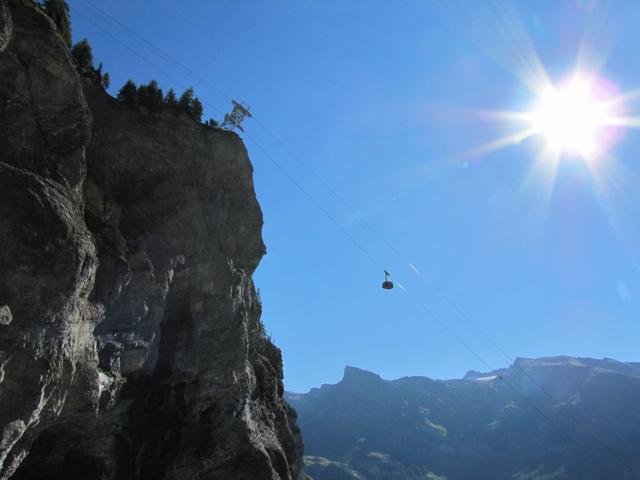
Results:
556 127
582 117
571 119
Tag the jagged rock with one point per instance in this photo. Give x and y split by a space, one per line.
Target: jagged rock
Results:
135 349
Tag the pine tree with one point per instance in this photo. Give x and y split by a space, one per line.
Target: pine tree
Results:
58 11
196 110
106 80
150 96
170 100
128 93
191 105
83 55
186 100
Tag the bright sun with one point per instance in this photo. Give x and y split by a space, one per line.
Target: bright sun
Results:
581 117
571 118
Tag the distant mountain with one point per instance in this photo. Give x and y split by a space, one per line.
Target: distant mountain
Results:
551 418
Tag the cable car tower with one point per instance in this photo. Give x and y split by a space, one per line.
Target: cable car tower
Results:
236 117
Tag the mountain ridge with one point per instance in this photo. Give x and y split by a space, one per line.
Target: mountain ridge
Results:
539 418
630 368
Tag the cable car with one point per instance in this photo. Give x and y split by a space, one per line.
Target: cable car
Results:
387 284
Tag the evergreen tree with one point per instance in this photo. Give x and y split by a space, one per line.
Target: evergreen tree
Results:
103 79
186 100
170 100
155 95
83 55
150 96
196 109
128 93
58 11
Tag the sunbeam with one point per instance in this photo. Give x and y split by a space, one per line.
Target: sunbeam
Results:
494 145
582 116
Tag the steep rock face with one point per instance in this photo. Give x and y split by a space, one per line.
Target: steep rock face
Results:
557 418
47 259
131 343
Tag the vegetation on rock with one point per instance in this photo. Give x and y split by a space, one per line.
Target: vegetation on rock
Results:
83 56
150 96
128 94
58 11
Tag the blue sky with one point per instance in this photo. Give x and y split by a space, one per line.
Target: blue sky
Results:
375 98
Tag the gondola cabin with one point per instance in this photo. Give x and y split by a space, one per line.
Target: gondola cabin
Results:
387 284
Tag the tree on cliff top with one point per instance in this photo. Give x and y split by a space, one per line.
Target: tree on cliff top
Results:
186 100
190 104
103 78
128 93
83 56
58 11
150 96
170 100
106 80
196 110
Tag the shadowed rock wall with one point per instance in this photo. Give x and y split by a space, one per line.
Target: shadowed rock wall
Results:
131 345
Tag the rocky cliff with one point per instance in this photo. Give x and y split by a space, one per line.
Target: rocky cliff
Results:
557 418
131 345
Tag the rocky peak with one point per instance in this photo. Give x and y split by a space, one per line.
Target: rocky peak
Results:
357 376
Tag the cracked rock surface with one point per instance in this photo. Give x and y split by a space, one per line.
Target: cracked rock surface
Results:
131 345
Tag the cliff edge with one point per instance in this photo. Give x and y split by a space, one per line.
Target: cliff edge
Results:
131 345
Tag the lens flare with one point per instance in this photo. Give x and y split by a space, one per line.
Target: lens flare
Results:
577 118
569 125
